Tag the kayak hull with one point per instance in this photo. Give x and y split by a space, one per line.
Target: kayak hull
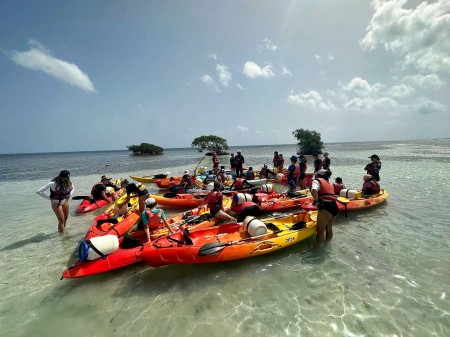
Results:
236 243
354 204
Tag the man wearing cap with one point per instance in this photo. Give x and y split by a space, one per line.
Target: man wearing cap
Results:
152 217
373 168
98 191
239 158
293 174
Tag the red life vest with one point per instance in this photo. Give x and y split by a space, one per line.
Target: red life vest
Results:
213 200
326 190
154 219
239 184
338 188
371 185
296 172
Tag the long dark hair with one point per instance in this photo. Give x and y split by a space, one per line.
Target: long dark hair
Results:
60 182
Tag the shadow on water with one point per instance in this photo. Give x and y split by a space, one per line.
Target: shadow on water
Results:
34 239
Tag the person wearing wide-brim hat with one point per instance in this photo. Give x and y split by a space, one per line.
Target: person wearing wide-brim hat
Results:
373 168
61 188
370 186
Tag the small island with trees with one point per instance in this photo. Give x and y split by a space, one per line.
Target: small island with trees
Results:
145 149
308 142
211 143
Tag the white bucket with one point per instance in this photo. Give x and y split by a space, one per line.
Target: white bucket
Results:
267 188
280 176
350 194
109 189
240 198
106 244
254 227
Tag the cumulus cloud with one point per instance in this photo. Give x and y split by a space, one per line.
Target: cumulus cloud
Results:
242 129
209 81
426 106
401 91
311 99
268 44
421 35
430 82
240 86
252 70
40 59
224 74
360 87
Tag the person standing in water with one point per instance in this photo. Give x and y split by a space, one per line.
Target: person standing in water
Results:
61 189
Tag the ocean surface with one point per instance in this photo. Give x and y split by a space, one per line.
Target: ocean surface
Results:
385 273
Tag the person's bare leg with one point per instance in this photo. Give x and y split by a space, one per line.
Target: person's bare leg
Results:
60 216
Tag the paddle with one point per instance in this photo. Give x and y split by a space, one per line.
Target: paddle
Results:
201 159
110 220
344 201
170 195
214 248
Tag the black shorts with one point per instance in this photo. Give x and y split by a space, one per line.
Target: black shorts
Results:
302 176
213 212
329 206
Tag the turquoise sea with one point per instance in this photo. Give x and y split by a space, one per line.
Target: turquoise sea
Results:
385 273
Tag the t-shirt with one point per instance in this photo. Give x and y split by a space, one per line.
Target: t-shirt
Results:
97 193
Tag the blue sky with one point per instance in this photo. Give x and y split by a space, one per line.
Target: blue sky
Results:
101 75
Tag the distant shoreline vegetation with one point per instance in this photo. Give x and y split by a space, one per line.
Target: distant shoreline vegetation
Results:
145 149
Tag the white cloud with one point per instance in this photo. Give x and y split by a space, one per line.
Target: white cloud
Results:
330 57
269 45
360 87
426 106
213 56
401 91
317 57
40 59
224 74
252 70
286 72
421 35
240 86
311 99
369 104
430 82
242 129
209 81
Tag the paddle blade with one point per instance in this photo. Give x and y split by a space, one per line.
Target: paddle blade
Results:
110 220
298 225
211 249
343 200
170 195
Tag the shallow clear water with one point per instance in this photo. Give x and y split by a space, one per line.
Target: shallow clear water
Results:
385 273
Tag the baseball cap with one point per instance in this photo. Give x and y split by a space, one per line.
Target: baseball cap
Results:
105 177
64 174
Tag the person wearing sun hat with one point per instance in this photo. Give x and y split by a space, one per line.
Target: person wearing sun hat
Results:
186 180
61 189
373 168
152 217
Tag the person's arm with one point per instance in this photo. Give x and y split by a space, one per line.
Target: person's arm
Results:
163 218
315 187
41 193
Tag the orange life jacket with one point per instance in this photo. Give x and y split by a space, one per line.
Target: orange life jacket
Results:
213 201
326 191
239 184
154 219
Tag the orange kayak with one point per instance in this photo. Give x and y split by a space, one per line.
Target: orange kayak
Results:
230 241
274 202
353 204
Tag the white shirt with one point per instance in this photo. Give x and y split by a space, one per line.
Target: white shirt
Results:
52 185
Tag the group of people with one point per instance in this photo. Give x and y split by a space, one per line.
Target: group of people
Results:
324 193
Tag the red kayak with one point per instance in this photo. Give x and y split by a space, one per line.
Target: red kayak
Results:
130 246
88 205
308 179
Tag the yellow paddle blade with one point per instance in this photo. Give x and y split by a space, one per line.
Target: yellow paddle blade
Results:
343 200
313 216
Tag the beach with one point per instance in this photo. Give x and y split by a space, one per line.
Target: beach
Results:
385 273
